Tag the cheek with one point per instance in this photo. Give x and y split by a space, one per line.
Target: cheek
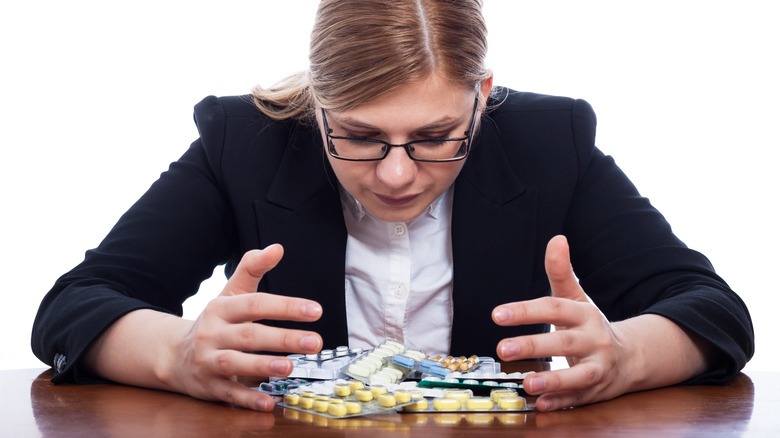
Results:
351 174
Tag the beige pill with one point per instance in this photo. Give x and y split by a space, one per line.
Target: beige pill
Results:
359 369
479 404
419 405
386 400
364 395
306 402
511 402
402 396
355 385
342 390
352 407
292 399
321 405
446 404
337 409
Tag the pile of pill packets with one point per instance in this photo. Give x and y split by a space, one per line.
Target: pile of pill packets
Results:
389 379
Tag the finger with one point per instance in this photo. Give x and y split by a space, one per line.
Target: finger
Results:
230 363
258 337
239 395
260 305
584 378
566 343
545 310
557 263
250 270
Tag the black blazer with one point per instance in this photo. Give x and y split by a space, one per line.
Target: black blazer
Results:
533 172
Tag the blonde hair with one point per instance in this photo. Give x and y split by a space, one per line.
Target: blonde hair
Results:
363 49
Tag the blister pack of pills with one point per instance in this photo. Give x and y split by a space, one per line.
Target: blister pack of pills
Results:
373 366
443 367
463 400
280 386
343 399
325 365
474 385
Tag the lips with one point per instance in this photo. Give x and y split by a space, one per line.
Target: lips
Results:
396 201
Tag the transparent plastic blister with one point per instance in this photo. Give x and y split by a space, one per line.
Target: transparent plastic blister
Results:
325 365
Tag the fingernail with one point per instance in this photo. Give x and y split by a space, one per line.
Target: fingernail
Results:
509 350
535 385
312 310
265 404
310 343
502 314
280 367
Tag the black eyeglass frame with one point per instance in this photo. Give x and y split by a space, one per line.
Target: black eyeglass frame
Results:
407 146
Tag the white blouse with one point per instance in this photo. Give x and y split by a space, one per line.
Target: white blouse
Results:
399 277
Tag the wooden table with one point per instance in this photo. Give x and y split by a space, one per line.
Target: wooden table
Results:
32 406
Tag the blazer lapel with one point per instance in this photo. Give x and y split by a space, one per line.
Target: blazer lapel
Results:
493 229
302 211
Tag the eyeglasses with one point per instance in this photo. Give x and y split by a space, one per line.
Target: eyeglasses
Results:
428 150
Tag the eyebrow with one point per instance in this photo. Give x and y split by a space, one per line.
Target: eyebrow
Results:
444 122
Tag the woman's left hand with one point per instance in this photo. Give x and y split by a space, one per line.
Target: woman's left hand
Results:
599 356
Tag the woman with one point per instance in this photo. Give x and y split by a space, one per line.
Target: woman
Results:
414 201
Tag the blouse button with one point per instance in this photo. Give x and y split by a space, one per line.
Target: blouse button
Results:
399 229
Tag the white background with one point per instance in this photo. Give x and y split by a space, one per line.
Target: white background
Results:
96 99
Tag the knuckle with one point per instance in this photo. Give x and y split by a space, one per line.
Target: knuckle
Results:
568 343
223 362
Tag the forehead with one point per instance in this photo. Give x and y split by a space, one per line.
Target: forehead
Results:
428 102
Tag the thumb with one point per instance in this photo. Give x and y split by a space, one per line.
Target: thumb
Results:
254 264
557 263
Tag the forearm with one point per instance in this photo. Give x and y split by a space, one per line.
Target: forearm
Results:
659 352
138 349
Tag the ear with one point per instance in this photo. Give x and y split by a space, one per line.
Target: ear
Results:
484 90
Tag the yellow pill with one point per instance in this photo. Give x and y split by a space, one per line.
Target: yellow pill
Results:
308 394
497 394
321 405
321 397
446 404
352 407
464 366
306 402
419 405
458 394
386 400
337 401
292 399
337 409
479 404
402 396
378 389
355 384
511 402
342 390
364 395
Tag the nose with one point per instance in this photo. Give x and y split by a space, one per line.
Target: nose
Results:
397 169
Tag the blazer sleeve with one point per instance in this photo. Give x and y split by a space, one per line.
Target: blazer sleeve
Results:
155 257
629 261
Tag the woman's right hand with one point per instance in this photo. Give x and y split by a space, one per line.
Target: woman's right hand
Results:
212 353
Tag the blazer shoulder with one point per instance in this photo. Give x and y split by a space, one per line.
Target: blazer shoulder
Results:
506 100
